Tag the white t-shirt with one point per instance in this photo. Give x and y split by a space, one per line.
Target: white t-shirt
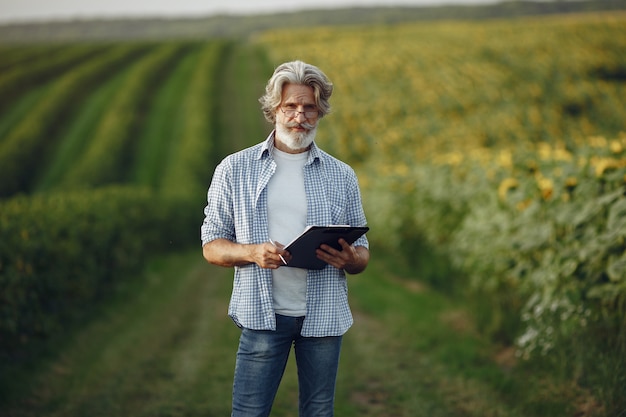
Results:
287 213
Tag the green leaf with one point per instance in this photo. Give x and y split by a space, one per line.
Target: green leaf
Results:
604 292
617 217
617 268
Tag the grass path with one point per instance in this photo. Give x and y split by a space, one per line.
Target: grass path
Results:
165 347
159 349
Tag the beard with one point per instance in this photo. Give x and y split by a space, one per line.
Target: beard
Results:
296 141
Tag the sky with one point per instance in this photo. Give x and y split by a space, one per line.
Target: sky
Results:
41 10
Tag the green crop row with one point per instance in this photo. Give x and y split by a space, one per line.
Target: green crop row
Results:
61 252
23 151
15 55
78 130
185 174
110 152
164 121
21 78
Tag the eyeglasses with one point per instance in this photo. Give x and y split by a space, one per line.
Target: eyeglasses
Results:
310 112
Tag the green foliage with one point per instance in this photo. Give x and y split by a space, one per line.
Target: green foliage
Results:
542 259
15 55
186 175
80 128
21 151
492 156
165 119
42 68
61 252
106 159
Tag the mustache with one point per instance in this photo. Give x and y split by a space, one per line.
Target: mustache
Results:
304 125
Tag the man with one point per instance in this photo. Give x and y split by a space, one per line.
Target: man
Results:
261 198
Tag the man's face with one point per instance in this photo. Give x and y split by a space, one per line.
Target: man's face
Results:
296 119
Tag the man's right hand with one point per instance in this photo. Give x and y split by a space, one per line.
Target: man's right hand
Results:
223 252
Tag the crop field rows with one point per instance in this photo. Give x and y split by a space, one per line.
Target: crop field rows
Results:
93 124
91 159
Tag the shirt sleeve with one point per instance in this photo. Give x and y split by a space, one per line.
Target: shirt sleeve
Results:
355 212
218 214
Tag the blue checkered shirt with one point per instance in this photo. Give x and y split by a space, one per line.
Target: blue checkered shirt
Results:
237 210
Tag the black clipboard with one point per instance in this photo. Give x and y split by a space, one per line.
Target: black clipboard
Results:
302 248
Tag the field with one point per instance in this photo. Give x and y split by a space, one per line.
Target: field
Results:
498 149
492 160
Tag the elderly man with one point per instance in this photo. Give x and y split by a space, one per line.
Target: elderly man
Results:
265 195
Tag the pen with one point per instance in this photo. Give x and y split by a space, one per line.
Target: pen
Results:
281 256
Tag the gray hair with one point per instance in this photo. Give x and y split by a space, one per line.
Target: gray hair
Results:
296 72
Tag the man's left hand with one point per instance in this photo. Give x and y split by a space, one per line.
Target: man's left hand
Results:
353 259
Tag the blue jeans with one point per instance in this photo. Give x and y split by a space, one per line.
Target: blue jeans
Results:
261 361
